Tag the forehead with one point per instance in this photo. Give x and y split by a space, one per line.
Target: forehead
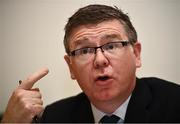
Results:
97 32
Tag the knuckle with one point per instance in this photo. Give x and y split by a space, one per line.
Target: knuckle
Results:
40 95
18 94
28 107
41 102
22 101
39 109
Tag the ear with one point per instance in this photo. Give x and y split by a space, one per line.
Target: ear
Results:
68 61
137 53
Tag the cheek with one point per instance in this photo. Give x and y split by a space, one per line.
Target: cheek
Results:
124 72
83 75
125 65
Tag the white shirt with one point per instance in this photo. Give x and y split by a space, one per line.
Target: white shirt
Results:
120 111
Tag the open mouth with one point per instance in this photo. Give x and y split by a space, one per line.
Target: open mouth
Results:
103 78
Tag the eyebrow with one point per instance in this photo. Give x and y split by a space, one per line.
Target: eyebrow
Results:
103 38
111 36
82 42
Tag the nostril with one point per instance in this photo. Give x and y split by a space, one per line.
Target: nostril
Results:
100 60
105 63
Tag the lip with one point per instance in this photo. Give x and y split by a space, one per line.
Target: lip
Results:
103 82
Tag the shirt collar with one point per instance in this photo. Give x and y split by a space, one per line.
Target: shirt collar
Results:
120 111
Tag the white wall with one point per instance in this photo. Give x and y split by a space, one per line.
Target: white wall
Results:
31 37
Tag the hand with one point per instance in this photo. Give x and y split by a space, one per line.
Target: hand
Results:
25 102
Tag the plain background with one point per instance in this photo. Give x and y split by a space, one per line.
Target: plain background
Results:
31 37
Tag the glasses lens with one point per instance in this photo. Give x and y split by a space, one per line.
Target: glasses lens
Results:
84 53
113 47
109 50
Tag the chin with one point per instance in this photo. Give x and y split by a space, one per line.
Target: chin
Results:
104 96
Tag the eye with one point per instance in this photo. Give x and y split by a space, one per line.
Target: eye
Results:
109 46
84 51
112 46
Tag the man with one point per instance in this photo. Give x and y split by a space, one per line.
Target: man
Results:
103 54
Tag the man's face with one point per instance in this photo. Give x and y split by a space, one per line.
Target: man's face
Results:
104 77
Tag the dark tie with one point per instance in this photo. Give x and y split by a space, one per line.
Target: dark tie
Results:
109 119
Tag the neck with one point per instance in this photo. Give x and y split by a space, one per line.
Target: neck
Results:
110 106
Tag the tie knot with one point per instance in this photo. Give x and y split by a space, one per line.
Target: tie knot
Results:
109 119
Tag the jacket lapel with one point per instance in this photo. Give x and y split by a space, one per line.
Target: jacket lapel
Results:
84 113
137 110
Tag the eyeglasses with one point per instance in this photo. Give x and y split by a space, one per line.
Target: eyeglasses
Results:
110 48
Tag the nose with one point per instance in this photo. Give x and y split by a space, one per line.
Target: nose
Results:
100 60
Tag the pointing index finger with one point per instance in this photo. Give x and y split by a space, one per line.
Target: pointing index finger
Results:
33 78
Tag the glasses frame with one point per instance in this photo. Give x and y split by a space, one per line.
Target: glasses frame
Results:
124 43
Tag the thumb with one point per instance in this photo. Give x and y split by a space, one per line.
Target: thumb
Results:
33 78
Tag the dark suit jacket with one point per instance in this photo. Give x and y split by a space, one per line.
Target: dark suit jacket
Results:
153 100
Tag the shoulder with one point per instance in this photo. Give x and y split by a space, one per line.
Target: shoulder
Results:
158 90
159 85
155 99
67 109
70 102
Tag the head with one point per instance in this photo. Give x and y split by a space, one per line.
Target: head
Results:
103 76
